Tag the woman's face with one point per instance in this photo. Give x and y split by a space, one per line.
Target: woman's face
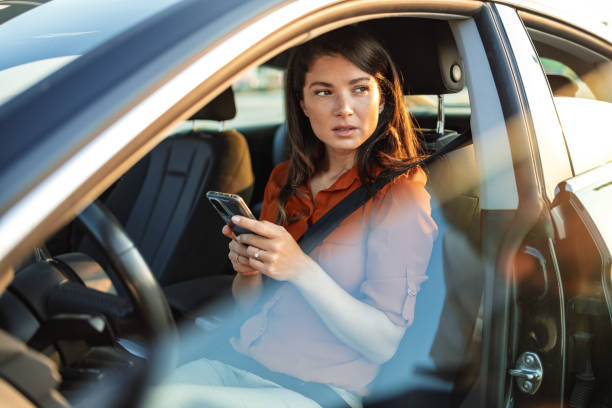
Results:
342 103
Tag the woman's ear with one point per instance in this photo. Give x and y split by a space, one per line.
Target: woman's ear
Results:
303 107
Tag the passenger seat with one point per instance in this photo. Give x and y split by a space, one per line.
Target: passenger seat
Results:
162 204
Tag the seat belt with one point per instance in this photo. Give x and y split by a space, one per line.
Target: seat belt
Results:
315 234
351 203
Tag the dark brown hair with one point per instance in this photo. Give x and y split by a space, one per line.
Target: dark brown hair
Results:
391 147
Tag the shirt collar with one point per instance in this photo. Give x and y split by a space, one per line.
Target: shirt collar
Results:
345 180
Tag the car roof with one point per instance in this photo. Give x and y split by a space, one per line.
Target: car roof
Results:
583 21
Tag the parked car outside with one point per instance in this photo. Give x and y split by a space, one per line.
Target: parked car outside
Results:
116 117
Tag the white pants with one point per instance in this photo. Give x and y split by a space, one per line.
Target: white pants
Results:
211 383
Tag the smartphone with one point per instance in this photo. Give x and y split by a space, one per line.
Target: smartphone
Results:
227 205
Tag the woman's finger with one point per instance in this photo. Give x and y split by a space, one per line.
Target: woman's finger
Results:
258 265
263 228
256 241
237 258
244 260
238 248
259 254
245 270
240 264
228 232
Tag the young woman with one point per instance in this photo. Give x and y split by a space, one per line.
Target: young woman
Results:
342 310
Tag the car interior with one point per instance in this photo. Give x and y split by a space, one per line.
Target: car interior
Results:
68 317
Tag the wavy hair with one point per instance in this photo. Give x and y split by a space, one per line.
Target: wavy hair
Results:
391 147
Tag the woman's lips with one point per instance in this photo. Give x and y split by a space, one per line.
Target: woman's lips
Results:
344 131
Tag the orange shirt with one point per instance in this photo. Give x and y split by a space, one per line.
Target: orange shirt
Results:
378 254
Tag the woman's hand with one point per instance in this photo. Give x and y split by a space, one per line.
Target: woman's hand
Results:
272 251
238 254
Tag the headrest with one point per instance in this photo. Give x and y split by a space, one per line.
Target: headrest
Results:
220 109
424 52
562 85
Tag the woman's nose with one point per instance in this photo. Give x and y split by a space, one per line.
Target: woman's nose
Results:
343 105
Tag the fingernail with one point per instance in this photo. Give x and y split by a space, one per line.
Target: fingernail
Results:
235 219
238 238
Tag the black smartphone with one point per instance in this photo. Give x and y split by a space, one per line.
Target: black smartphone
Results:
227 205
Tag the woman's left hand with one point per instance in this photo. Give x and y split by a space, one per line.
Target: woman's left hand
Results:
272 250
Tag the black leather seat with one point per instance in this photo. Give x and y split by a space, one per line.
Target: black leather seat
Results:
161 203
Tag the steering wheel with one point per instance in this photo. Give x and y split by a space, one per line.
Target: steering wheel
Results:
131 269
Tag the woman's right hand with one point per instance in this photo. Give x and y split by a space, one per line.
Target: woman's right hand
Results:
238 254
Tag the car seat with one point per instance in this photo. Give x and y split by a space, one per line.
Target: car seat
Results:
162 205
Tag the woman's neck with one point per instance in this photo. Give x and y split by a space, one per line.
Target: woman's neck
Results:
339 162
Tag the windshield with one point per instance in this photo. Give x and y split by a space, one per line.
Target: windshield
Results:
37 41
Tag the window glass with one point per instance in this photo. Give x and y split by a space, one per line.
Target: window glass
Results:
564 81
259 98
446 325
453 103
589 143
579 79
573 69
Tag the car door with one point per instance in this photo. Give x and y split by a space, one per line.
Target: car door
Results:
518 236
583 100
554 299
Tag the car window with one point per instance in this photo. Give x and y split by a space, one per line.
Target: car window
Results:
588 142
564 81
579 80
259 99
453 103
572 69
445 333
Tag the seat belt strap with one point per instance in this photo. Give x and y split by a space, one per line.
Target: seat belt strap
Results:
351 203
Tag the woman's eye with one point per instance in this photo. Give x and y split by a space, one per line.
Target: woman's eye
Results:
322 92
361 89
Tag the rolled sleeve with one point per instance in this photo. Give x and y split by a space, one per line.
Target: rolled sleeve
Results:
398 248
